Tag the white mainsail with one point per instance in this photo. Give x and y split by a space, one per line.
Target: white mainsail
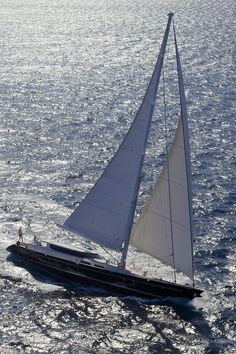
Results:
106 214
164 228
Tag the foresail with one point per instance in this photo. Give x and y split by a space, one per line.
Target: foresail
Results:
164 228
157 223
105 216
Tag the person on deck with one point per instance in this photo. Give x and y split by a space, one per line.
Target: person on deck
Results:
20 235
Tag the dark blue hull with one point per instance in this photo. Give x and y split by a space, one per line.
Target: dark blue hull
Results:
96 276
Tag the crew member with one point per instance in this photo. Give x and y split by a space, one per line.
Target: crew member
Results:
20 235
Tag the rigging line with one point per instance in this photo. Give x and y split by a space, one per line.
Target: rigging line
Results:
186 141
104 249
168 174
150 94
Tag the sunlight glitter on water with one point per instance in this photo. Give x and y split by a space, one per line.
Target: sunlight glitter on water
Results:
73 74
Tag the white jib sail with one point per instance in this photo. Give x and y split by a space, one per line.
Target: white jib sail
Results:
105 215
152 231
164 228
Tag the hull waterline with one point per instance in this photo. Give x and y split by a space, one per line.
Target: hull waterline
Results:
84 271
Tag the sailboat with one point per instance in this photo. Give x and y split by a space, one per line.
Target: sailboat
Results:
106 215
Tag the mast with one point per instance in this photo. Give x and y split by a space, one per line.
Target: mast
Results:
184 117
164 227
168 177
155 82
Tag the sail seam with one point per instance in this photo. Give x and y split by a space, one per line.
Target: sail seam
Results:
115 179
105 209
82 232
166 218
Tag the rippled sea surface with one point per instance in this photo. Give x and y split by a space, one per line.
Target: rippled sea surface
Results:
72 75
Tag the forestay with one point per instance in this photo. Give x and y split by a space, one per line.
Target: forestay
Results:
164 228
106 214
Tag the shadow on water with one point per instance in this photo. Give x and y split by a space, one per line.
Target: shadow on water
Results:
179 312
183 311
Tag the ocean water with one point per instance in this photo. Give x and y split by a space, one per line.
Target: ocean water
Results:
72 76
